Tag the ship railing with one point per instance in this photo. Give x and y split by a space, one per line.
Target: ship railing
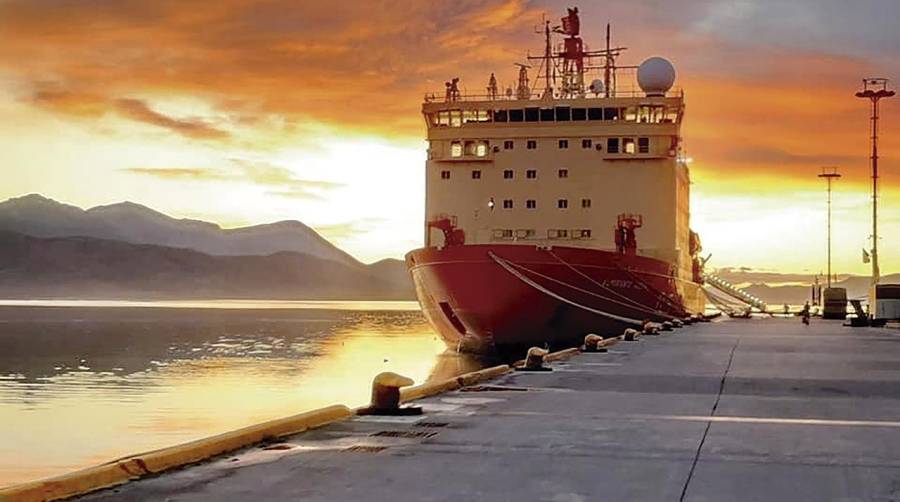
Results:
463 97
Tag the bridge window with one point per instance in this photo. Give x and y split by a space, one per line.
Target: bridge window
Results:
628 145
531 174
610 114
547 115
586 143
524 233
508 145
595 113
476 116
579 114
455 118
643 145
630 114
531 204
445 175
508 174
562 203
516 115
501 116
585 203
531 145
507 204
476 174
563 113
612 145
563 173
532 114
456 149
563 144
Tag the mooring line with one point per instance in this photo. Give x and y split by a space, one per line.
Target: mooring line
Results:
712 413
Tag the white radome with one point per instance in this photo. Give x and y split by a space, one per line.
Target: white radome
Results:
597 87
656 76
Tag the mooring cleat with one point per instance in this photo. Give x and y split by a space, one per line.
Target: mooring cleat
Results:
630 334
592 343
677 323
666 326
650 328
386 396
534 360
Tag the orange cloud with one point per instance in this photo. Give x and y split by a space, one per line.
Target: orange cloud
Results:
138 110
281 180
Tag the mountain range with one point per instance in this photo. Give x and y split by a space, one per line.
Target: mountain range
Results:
126 250
129 251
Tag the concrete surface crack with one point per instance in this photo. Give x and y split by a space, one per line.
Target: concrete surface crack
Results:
712 413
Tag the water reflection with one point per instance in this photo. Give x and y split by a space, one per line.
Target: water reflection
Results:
80 385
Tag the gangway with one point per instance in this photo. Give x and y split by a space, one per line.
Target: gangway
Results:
734 291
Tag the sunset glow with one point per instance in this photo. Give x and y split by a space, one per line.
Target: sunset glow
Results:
251 112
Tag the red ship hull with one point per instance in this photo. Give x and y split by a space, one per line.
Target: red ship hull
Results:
479 297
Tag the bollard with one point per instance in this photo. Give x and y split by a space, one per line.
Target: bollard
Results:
534 360
687 321
630 334
386 396
666 326
650 328
593 343
677 323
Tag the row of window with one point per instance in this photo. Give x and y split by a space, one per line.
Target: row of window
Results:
645 114
529 233
508 174
532 204
613 145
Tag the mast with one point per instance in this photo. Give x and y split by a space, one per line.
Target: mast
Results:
608 64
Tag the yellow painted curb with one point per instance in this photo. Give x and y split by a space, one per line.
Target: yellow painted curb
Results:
482 375
433 388
136 466
562 354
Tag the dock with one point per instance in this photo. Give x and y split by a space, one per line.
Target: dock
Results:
736 409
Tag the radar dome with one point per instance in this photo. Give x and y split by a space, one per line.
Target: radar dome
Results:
597 87
656 76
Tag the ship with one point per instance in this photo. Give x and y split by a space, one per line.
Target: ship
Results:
560 206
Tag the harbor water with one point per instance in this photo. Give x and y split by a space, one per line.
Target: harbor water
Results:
83 383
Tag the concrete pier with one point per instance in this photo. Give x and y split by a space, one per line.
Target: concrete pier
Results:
758 409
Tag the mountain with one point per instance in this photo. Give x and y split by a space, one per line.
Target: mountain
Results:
86 267
39 216
779 293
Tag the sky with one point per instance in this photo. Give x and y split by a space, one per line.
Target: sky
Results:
245 112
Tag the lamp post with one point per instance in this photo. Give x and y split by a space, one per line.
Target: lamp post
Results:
829 174
874 89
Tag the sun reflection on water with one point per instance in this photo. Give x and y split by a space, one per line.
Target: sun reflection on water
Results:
121 381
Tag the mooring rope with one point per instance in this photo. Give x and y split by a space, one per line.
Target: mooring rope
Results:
576 288
651 289
640 306
509 268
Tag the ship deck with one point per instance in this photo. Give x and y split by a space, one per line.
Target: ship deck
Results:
760 409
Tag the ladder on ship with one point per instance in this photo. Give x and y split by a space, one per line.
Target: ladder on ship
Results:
734 291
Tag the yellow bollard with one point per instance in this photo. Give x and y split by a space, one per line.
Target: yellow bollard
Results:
593 343
386 396
534 360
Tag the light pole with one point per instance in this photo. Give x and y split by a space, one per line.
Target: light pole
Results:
874 89
830 174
